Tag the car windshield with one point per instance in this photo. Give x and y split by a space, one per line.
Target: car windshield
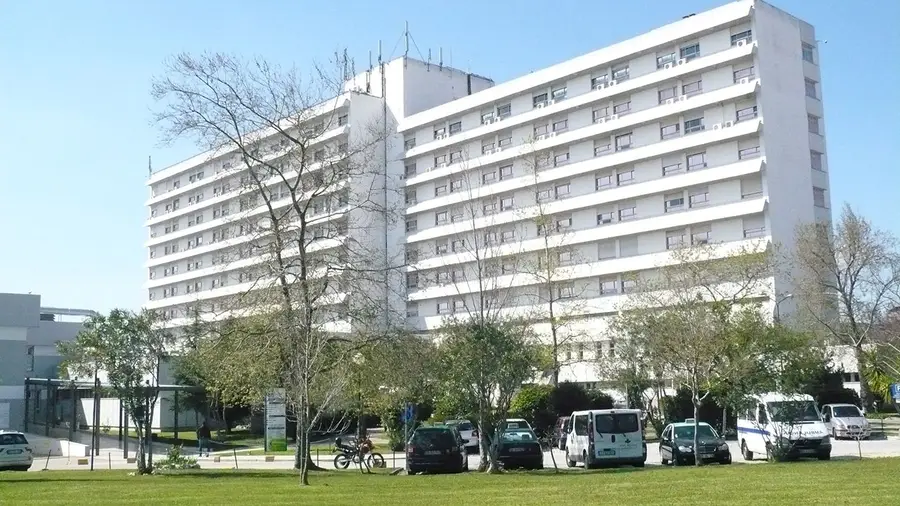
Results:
687 432
433 438
462 426
516 425
616 423
518 436
793 411
12 439
846 412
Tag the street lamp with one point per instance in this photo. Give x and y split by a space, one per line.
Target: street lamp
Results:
778 302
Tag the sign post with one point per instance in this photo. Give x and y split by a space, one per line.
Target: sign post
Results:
407 416
276 421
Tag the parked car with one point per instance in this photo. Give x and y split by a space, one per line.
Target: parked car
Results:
468 432
519 447
676 444
560 432
846 421
15 453
516 423
605 437
436 449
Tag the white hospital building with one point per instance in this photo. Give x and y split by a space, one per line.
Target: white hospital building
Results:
709 129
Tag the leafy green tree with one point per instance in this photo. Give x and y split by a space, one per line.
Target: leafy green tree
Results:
532 403
127 348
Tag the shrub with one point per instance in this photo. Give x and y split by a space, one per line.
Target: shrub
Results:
175 461
532 403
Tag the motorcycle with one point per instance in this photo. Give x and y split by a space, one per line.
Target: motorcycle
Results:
356 453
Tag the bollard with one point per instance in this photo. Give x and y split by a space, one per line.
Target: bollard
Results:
109 459
47 463
234 450
217 459
270 458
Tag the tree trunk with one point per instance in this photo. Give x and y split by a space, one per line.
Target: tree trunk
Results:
724 420
303 443
696 401
482 443
493 461
865 393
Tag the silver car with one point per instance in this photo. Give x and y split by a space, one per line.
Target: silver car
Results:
15 452
468 432
846 421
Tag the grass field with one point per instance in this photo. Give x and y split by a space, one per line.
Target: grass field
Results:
840 482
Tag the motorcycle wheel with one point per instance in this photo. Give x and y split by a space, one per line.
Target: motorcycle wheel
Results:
375 460
341 462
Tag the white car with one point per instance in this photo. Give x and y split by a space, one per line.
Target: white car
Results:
468 432
846 421
15 454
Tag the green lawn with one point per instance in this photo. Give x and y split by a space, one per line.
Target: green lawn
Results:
840 482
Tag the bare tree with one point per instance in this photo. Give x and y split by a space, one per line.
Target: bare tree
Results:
848 279
301 193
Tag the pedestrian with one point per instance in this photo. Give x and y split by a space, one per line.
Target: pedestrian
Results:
203 436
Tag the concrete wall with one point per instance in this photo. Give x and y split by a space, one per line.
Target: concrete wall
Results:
18 313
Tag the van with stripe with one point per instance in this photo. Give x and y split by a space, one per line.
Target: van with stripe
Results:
779 426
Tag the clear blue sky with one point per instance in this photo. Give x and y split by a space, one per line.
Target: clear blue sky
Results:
75 108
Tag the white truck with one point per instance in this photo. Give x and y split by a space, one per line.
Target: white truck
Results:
783 425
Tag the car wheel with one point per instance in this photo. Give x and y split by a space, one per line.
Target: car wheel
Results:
675 461
747 454
412 470
825 456
664 462
726 461
834 434
639 464
569 461
587 464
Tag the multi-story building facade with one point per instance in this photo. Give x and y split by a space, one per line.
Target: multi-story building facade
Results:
709 129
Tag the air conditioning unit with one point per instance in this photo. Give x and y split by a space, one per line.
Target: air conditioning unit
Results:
541 137
599 86
682 98
612 83
551 101
498 149
741 42
670 101
682 61
601 120
667 66
717 126
614 117
729 124
541 105
498 118
745 80
551 134
442 164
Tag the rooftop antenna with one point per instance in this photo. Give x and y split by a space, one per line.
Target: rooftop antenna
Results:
379 52
149 165
428 63
406 36
441 62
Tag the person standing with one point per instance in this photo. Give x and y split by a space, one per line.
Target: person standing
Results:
203 437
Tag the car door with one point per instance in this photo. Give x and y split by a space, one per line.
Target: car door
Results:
665 444
827 416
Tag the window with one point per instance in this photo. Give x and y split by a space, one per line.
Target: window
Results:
699 197
565 291
819 197
487 147
456 215
693 125
458 245
623 141
440 247
606 250
507 236
561 125
539 100
411 198
455 128
440 160
746 113
748 153
674 239
409 143
440 218
562 190
667 94
410 170
696 161
668 131
693 88
456 157
439 132
745 36
604 181
623 178
443 307
811 89
666 59
623 108
813 123
598 82
627 213
456 185
560 159
412 309
690 52
700 234
558 93
674 168
543 195
602 147
411 225
745 73
563 224
816 160
504 142
504 111
600 113
489 208
604 218
621 73
609 286
488 177
443 277
674 202
628 286
506 172
540 131
440 190
342 120
490 237
506 203
807 51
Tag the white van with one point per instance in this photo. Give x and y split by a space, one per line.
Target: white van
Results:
604 437
791 422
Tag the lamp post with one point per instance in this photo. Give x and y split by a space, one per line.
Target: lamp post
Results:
778 302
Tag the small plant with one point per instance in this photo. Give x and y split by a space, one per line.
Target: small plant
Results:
105 429
176 461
